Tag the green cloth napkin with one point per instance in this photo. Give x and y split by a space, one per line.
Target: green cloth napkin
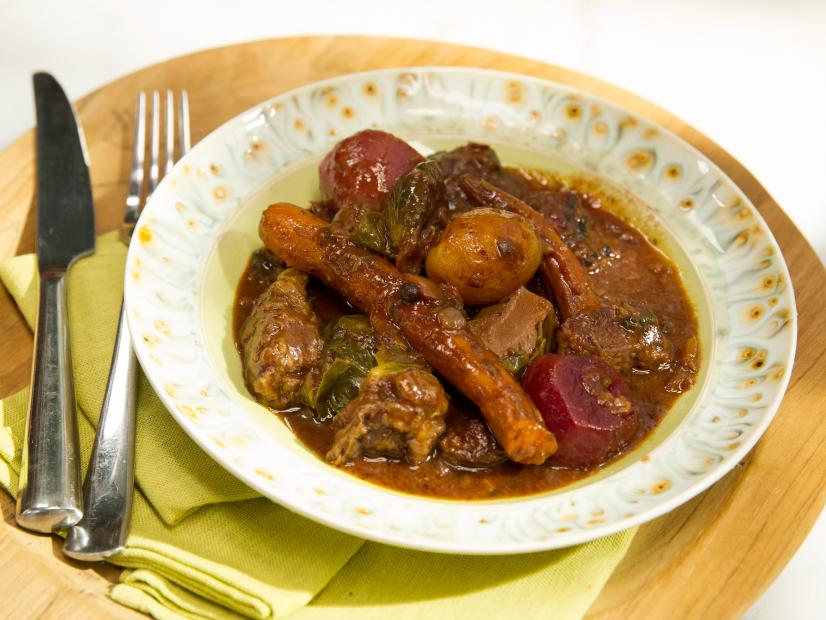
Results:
203 545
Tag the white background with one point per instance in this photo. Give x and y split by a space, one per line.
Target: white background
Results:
749 74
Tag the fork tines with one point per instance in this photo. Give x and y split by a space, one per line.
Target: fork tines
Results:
134 204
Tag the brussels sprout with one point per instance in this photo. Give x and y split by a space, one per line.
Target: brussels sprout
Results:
399 413
371 233
349 354
413 214
391 361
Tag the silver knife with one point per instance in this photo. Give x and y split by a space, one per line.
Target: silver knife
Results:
49 494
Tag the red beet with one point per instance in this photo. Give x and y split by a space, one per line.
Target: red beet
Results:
362 169
585 404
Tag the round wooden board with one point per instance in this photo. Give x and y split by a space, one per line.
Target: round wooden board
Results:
711 558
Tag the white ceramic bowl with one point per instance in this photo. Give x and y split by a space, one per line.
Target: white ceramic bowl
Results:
200 227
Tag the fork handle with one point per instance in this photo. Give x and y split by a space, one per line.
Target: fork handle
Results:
48 498
107 489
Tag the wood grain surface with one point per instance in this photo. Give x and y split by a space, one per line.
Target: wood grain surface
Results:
711 558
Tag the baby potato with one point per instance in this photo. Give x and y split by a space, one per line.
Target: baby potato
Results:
486 253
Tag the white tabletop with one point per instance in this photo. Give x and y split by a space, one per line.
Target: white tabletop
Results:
751 75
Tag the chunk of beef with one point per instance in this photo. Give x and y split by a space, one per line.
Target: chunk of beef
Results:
514 325
555 204
468 442
621 338
477 160
398 413
280 341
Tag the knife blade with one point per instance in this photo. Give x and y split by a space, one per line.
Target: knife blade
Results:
49 493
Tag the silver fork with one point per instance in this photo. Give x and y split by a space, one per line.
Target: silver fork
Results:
108 487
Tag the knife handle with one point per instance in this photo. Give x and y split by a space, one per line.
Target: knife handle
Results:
107 490
48 498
